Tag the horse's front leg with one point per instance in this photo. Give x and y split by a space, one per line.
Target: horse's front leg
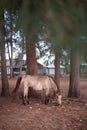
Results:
46 96
25 96
46 99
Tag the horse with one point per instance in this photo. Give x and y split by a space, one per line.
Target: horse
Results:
38 83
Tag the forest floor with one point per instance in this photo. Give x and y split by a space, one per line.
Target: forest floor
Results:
71 115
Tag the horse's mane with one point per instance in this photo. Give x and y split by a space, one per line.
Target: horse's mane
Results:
17 85
55 83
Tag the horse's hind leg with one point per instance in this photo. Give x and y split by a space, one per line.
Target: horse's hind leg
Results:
25 97
25 100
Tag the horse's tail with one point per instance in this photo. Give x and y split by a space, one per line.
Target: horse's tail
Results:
17 85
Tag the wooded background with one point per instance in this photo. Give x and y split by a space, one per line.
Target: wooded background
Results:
36 27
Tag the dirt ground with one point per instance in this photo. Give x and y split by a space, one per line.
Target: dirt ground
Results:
71 115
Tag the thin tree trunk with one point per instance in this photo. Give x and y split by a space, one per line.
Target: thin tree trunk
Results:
57 69
11 61
21 64
11 45
5 84
23 48
74 88
9 56
31 57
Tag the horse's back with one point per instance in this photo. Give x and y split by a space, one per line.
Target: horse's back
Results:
38 82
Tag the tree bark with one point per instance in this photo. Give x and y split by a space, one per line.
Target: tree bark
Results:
74 88
11 45
11 61
57 69
31 57
21 63
5 84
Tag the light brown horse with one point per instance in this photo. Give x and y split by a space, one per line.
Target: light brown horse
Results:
38 83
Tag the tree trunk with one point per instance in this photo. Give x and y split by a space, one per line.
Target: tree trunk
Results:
5 84
57 69
21 63
74 88
11 61
31 57
11 45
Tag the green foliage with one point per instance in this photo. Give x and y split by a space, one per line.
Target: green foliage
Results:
60 23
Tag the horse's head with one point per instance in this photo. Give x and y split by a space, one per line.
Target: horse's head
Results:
59 98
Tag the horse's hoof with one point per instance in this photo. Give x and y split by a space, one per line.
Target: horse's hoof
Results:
28 102
24 103
46 102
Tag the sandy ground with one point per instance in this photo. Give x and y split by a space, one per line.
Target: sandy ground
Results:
71 115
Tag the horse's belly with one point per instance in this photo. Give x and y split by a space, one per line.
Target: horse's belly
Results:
38 88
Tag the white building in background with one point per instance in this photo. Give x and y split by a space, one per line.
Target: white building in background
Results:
50 69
